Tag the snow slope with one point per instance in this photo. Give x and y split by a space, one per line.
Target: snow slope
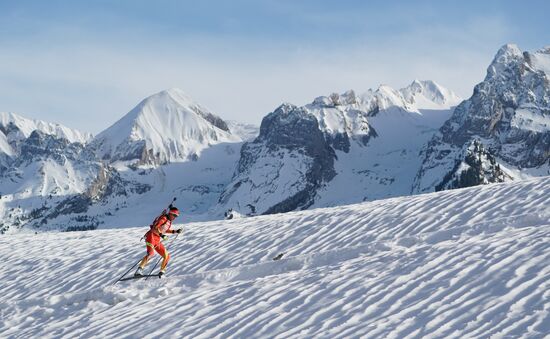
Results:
404 121
243 130
460 263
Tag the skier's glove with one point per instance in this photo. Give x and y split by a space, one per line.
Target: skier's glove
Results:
179 230
164 237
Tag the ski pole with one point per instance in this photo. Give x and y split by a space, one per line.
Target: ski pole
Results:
171 241
131 268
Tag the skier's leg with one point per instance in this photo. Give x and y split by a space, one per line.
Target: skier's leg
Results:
145 260
165 256
150 253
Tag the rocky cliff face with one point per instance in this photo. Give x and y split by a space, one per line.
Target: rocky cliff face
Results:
283 167
508 115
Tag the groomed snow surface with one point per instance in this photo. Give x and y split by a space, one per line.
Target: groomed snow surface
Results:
462 263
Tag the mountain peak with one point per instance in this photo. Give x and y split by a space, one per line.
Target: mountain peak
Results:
167 126
506 58
176 94
427 93
509 50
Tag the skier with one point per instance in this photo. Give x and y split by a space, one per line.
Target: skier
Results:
159 228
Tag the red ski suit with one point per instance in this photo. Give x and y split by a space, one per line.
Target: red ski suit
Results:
153 243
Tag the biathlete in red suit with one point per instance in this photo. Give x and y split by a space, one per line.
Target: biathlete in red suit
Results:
159 228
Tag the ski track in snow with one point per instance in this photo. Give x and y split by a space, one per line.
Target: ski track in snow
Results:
463 263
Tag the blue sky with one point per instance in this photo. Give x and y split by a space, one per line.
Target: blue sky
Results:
86 63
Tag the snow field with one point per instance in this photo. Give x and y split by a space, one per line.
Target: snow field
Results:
463 263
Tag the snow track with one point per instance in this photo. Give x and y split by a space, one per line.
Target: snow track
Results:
464 263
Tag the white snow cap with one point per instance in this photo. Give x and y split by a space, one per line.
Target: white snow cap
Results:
420 94
510 55
426 94
27 126
506 56
171 124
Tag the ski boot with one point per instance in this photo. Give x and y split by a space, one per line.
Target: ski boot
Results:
139 272
161 273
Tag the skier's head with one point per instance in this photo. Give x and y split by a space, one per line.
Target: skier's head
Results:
173 213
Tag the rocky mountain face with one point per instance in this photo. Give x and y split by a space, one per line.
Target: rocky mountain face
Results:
283 167
40 163
508 116
32 144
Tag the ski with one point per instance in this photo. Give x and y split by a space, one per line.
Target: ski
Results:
140 276
278 256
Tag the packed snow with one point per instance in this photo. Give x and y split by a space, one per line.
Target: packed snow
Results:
461 263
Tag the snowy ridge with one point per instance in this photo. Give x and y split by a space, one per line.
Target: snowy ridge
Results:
461 263
290 167
348 112
27 126
165 127
14 128
428 94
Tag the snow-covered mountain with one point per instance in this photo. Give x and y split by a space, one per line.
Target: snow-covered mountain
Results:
40 163
29 147
338 149
283 167
167 146
502 132
15 130
165 127
469 263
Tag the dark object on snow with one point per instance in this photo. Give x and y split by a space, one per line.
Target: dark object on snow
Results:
279 256
139 277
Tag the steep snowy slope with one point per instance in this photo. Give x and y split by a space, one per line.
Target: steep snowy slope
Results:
165 127
461 263
244 131
383 160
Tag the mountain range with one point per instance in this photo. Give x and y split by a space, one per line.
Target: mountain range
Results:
338 149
